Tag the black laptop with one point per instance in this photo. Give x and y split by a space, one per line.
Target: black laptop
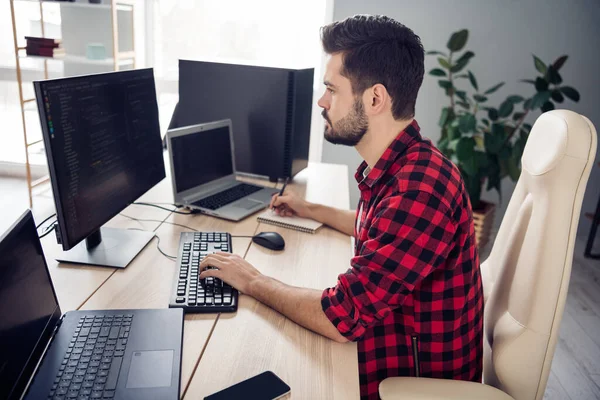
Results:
110 354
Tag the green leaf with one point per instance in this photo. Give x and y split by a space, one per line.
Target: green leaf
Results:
453 143
454 132
506 108
559 62
553 76
541 84
443 117
463 104
494 88
527 104
557 96
443 145
444 63
458 40
517 116
437 72
479 98
467 55
493 114
485 122
459 65
495 139
445 84
467 123
539 99
461 94
528 81
461 76
513 169
432 52
465 148
473 80
570 92
515 99
539 65
547 106
526 127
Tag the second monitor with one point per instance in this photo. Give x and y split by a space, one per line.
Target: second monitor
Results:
270 109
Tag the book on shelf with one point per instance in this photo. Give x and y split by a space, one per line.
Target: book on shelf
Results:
48 52
43 41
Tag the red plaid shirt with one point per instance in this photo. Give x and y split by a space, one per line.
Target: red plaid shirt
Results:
414 290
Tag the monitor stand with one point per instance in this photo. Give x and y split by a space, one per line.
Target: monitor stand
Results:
108 247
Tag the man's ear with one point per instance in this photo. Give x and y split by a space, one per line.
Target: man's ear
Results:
377 99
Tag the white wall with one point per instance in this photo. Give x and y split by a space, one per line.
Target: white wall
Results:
503 35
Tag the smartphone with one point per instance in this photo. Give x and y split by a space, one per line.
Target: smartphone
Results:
266 386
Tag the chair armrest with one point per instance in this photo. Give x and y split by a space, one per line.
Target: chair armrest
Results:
405 388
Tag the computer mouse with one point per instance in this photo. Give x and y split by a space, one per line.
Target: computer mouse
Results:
270 240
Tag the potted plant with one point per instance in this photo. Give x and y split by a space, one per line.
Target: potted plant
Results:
486 142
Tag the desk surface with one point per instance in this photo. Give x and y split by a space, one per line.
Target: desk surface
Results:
222 349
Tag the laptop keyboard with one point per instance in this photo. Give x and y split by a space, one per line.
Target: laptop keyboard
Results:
195 295
227 196
91 366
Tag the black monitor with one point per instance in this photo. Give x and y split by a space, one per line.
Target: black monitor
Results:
270 110
29 309
102 140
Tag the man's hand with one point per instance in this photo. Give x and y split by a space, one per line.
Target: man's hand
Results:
231 268
290 204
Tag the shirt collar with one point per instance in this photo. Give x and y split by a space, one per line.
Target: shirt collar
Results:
369 176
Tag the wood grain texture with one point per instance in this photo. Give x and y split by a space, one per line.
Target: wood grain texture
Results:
258 338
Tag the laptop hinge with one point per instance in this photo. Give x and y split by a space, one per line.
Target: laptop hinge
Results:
35 370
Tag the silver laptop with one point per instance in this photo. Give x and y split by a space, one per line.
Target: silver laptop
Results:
203 172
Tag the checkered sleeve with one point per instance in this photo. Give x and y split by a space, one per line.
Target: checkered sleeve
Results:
411 235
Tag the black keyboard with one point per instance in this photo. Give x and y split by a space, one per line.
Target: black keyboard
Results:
93 360
227 196
195 295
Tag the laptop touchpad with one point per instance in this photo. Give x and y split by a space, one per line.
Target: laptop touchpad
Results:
247 204
150 369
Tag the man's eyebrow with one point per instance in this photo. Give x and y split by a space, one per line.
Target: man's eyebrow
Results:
327 83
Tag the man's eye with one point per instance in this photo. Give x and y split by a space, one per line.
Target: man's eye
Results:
330 90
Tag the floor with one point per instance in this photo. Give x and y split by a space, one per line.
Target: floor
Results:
575 373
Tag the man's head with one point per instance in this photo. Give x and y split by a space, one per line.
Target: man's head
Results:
375 71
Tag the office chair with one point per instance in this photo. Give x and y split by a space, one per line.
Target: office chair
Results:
526 276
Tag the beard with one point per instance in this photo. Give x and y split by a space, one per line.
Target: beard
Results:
349 130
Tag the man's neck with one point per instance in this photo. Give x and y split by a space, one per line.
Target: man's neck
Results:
378 138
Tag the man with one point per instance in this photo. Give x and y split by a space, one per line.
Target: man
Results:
412 298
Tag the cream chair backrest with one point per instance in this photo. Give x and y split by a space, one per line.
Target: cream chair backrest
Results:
527 273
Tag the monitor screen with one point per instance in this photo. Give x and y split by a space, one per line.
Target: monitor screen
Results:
27 303
102 139
201 157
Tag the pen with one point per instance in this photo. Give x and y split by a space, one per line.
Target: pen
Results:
283 188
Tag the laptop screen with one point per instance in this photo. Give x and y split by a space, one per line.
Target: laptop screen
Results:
201 157
27 305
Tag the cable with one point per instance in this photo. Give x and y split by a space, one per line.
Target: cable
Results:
163 208
48 231
44 221
172 258
156 220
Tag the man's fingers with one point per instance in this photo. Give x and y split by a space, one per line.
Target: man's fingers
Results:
213 261
217 273
273 198
280 200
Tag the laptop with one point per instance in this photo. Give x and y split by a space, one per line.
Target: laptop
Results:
111 354
204 175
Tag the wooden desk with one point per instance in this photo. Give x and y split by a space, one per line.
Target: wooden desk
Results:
222 349
256 338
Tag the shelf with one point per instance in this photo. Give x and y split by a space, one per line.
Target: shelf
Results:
124 59
121 6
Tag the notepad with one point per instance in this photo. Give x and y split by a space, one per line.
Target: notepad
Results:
297 223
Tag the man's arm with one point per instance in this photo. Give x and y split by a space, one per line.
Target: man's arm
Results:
290 204
303 306
340 220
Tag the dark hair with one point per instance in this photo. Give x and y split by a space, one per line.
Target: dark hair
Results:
378 49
